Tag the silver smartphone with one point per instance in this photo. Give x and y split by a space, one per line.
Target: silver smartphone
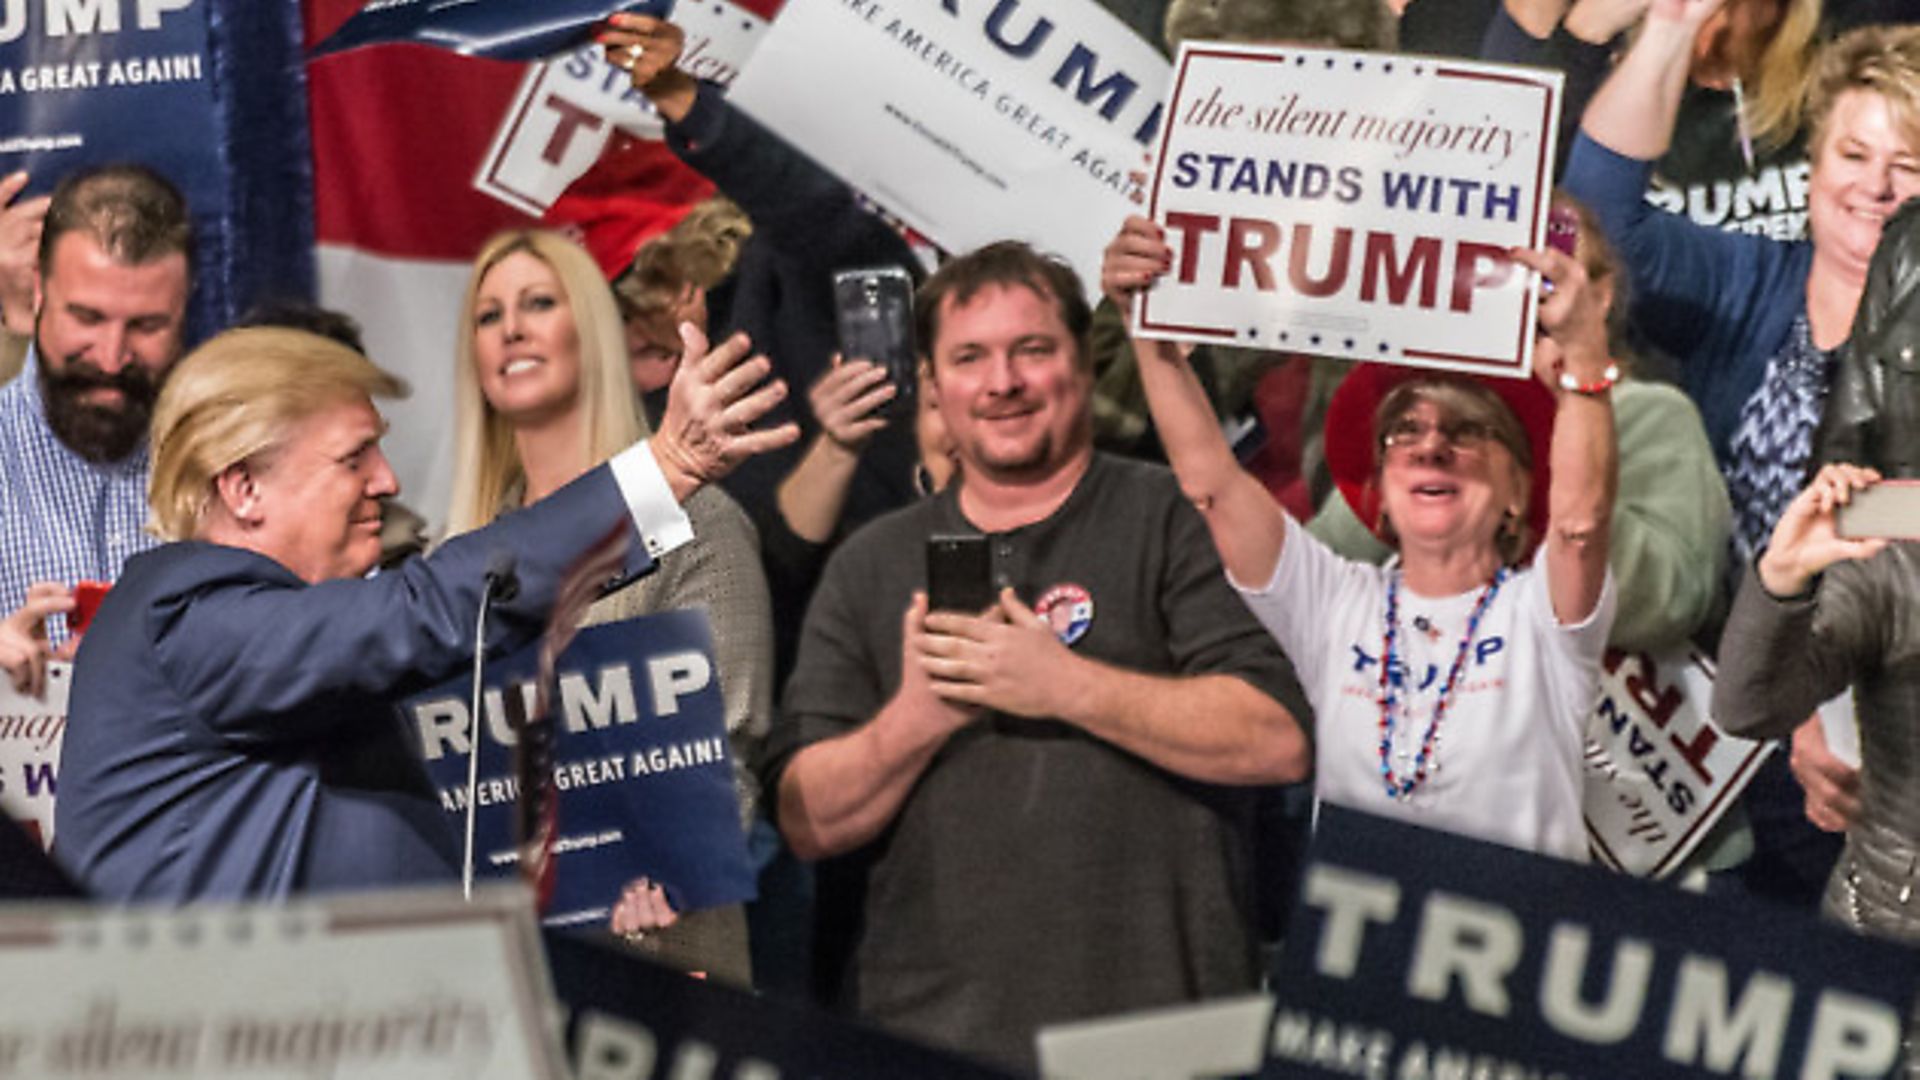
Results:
1888 510
874 312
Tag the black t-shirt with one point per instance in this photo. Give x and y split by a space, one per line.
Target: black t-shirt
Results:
1036 874
1705 174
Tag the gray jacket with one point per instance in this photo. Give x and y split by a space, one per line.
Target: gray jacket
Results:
1779 659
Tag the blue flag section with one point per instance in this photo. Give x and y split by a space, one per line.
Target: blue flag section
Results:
642 767
1415 954
630 1019
497 29
209 93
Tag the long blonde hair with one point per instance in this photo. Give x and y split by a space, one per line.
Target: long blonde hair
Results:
1777 100
486 462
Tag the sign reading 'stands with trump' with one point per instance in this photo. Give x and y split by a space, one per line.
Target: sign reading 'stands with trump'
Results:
1352 204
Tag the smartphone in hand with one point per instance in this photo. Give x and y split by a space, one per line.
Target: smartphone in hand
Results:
86 601
1888 510
959 574
873 310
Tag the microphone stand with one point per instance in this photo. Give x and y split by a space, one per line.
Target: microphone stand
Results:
501 584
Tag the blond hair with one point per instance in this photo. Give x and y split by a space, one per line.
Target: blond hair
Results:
700 250
1883 60
236 397
1776 102
486 462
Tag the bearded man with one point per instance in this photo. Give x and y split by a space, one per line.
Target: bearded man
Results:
114 272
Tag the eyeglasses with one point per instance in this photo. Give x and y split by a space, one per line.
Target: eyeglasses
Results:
1461 436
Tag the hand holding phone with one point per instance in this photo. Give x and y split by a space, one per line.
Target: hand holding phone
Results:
847 401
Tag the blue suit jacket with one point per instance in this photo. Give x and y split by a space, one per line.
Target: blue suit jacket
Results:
231 730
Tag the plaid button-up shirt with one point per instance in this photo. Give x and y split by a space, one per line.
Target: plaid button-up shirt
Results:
62 518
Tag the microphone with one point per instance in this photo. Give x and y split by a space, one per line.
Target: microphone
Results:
503 581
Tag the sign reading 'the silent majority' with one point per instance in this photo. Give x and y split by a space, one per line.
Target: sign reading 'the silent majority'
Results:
1349 204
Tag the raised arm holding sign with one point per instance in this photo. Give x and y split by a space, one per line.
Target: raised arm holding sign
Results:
1455 469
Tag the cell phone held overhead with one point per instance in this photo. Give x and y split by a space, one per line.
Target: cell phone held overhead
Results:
1889 510
873 310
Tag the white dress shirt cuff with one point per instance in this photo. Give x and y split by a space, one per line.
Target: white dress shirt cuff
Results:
661 521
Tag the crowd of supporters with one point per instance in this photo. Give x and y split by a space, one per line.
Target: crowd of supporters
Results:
1226 582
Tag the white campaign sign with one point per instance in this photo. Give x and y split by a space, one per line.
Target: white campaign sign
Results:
401 985
31 733
973 120
1659 772
1355 205
568 108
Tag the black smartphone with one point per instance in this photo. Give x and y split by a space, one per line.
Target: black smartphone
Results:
873 310
959 574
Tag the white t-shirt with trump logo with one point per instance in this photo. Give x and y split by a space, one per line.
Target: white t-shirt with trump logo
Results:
1507 759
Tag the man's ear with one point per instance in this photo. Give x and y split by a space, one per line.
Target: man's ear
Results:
928 390
238 492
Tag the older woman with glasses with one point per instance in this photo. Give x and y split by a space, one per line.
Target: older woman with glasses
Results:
1451 687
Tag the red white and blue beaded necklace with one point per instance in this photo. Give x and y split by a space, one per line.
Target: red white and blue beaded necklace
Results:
1402 787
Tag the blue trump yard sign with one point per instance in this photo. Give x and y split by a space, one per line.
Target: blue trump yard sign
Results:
1416 954
642 766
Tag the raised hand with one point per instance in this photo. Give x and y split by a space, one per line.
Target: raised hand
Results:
20 224
647 49
712 404
1573 319
1807 540
846 401
1134 260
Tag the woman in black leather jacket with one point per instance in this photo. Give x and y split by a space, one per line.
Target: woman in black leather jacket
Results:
1873 409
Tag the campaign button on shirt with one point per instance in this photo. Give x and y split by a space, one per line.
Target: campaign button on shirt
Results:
1068 609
